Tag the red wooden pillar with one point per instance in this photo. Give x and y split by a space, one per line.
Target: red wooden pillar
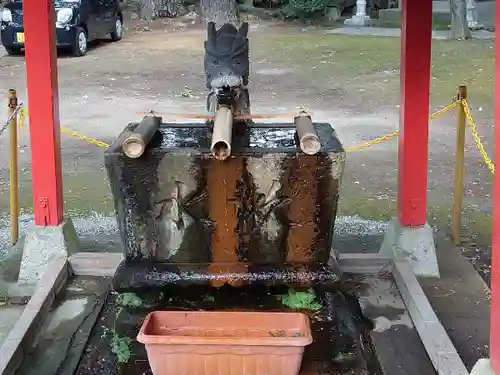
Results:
416 38
43 100
495 262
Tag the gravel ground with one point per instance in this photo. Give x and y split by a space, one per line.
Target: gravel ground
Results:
350 81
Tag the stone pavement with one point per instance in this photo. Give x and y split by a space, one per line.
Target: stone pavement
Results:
461 300
13 297
9 314
393 32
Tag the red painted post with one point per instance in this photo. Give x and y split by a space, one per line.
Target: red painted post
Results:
43 100
416 38
495 262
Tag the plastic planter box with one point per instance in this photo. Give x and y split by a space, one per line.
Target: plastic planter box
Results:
214 343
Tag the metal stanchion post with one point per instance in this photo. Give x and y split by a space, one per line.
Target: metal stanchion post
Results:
13 168
456 222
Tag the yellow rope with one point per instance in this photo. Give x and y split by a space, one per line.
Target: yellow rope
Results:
84 137
375 141
23 113
388 136
477 139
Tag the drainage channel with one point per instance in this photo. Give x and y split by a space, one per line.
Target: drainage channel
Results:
341 343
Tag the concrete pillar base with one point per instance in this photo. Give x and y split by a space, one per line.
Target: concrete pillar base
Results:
357 21
483 367
414 244
41 245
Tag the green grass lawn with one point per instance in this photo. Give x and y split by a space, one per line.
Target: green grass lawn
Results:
372 63
354 62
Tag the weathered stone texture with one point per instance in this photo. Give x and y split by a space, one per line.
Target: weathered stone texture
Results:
268 203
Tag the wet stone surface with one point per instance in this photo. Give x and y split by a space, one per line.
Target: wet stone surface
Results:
140 275
66 328
112 347
268 203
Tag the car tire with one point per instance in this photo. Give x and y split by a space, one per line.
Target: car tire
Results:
81 42
117 32
13 51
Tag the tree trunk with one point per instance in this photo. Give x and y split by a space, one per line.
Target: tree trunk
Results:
150 9
220 12
147 10
166 8
459 27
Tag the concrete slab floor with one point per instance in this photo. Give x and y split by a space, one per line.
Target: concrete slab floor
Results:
461 300
9 314
66 329
13 298
394 337
460 297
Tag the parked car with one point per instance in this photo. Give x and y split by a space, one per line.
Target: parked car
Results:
77 23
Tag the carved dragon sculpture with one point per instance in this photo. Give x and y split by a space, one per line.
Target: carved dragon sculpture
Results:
227 67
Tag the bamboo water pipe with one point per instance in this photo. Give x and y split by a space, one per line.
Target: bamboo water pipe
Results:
222 133
135 144
308 138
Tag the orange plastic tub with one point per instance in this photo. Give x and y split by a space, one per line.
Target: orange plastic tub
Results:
225 343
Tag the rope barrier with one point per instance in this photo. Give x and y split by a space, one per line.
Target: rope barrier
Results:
17 110
83 137
477 139
17 117
386 137
389 136
22 113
